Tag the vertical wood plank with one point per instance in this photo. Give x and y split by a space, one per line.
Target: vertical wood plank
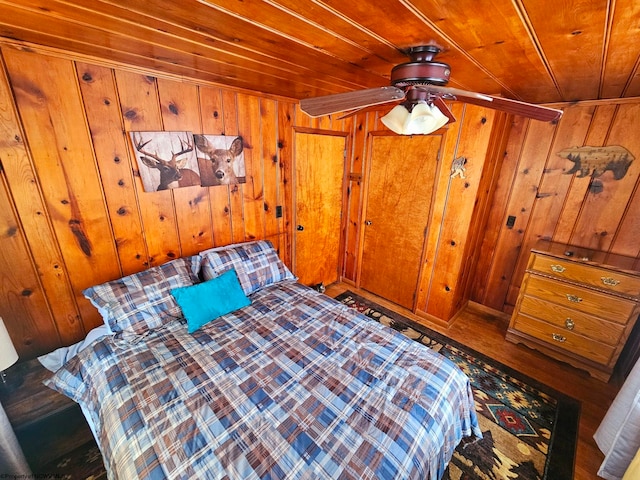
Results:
46 88
30 207
181 112
211 113
249 121
487 270
302 119
231 113
271 173
24 307
626 239
116 172
326 122
286 119
141 112
487 187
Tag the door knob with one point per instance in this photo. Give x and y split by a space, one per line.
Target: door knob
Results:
367 222
300 228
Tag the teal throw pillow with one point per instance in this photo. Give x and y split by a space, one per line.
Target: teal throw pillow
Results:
206 301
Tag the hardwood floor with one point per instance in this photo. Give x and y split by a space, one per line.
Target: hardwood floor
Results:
484 330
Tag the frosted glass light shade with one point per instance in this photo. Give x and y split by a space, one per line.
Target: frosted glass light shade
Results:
396 119
8 354
422 120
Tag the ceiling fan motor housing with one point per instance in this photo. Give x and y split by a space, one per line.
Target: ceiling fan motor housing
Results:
421 69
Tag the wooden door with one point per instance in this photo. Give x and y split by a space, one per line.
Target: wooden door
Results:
401 179
319 177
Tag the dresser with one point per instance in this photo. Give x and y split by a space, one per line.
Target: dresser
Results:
577 305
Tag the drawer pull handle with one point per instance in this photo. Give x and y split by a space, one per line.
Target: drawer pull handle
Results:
573 298
612 282
558 338
558 268
569 323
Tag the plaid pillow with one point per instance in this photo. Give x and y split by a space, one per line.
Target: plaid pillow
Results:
256 263
142 301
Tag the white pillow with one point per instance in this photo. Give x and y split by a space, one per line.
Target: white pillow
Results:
54 360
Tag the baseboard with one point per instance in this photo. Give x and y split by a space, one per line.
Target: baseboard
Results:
502 316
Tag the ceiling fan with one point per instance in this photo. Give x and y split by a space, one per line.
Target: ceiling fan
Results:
419 88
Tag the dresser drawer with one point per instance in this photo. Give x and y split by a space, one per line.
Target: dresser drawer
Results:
614 309
588 274
566 319
565 340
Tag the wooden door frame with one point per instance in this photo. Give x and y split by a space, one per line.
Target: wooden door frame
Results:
292 215
367 162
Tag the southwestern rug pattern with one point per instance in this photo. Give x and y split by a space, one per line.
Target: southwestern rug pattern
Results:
529 429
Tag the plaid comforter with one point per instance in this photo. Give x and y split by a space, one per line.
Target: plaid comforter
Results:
294 386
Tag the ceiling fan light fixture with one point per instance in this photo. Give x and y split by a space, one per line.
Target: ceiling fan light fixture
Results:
424 118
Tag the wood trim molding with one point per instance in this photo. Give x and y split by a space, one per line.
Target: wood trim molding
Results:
589 103
321 131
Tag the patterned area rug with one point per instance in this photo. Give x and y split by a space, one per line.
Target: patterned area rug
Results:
530 430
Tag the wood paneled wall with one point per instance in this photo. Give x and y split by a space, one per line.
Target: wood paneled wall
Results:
548 202
73 210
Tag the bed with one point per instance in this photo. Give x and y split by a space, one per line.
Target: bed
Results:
222 366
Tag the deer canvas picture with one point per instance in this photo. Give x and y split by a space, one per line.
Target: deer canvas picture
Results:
220 159
165 159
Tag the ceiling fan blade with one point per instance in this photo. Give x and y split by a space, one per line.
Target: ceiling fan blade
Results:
369 108
439 102
530 110
340 102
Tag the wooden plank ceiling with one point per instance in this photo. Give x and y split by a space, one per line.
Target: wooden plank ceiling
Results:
532 50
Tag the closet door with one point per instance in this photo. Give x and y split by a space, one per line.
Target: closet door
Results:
400 185
318 190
